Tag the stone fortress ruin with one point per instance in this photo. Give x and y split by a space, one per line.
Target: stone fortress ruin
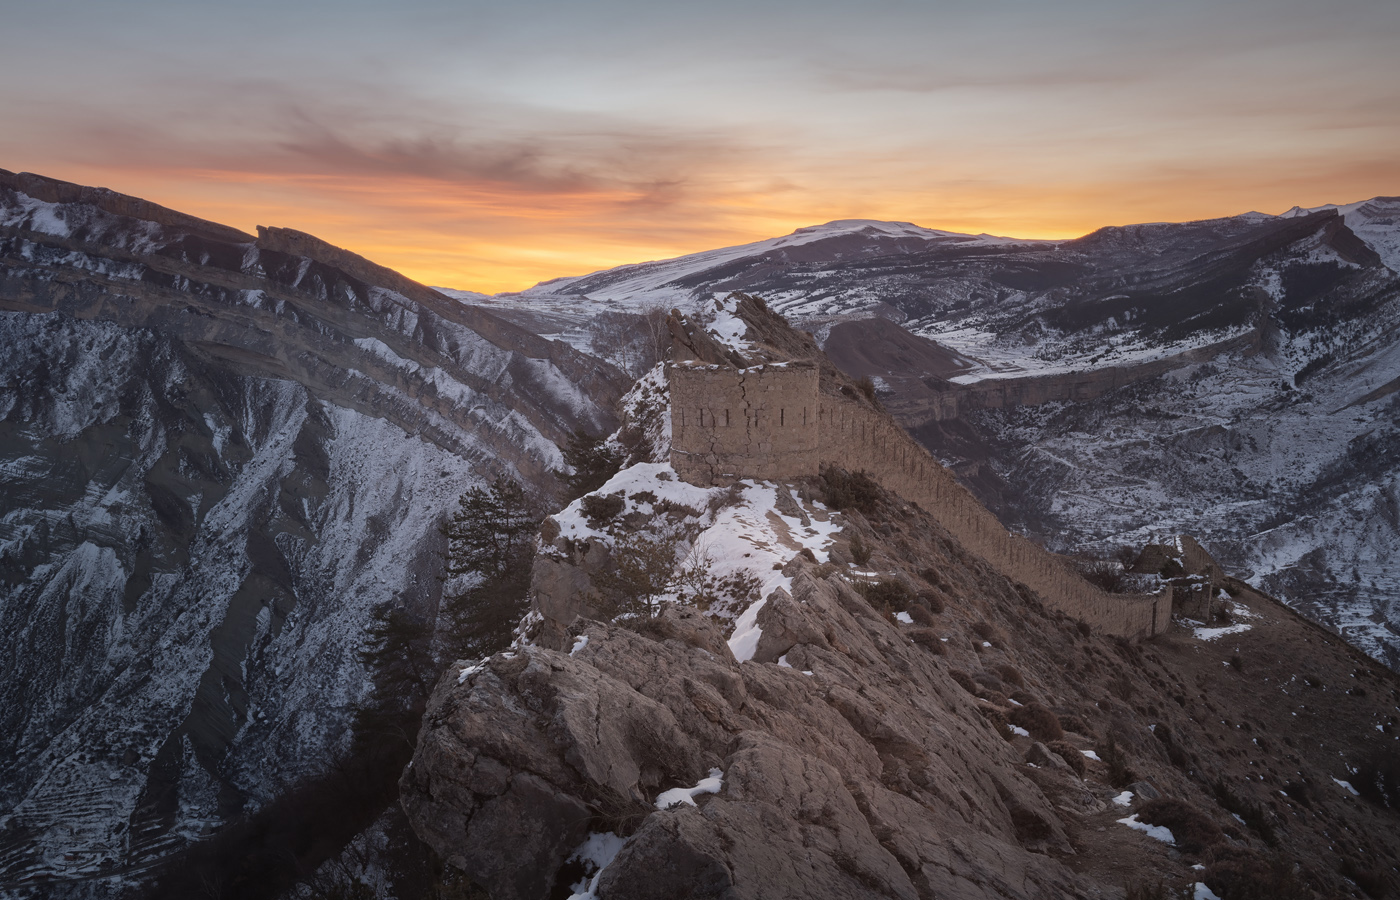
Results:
785 418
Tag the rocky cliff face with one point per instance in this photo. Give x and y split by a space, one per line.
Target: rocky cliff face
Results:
974 745
220 453
919 725
855 770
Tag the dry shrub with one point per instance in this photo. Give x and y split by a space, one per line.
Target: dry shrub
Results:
1022 697
997 721
933 577
964 680
1377 778
1010 675
922 616
850 490
989 633
1070 754
1071 722
860 551
1119 773
1372 881
931 601
1039 721
1238 873
994 697
928 639
887 595
1194 830
600 509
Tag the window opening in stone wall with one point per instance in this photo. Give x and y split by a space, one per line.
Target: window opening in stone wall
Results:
726 418
702 418
782 417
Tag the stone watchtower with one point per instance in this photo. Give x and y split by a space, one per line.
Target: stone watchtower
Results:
759 422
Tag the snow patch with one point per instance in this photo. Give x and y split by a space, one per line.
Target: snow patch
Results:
597 852
1210 634
1157 832
678 796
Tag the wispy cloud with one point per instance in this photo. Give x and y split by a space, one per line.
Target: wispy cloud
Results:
490 146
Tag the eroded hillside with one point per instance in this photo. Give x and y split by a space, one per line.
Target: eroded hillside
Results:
220 454
818 691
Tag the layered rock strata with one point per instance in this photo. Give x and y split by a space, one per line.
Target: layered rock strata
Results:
856 767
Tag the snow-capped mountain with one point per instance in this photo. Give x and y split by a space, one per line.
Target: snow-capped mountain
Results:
220 452
1230 378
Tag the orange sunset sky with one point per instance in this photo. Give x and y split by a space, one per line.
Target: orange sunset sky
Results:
479 147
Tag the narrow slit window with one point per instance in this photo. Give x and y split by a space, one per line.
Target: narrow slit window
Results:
726 418
782 417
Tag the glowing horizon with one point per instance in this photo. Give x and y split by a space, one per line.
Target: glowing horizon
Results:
488 149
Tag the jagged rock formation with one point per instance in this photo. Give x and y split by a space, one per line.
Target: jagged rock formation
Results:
220 453
770 420
860 756
848 781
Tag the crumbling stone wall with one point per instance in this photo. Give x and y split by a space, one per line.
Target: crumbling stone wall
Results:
949 400
760 422
779 426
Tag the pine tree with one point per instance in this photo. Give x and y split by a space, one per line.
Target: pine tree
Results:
490 539
591 463
398 655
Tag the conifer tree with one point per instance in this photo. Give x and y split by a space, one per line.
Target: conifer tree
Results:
591 463
490 539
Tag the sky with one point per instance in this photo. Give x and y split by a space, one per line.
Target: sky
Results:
488 146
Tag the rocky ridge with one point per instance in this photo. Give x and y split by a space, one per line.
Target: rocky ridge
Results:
916 726
1232 378
221 453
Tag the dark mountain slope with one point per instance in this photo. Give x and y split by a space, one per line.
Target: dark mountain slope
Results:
220 454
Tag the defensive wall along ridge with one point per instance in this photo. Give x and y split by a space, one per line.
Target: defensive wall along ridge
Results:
946 400
772 422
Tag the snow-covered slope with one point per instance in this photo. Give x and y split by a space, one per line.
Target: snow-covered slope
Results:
220 453
1156 342
560 307
1375 221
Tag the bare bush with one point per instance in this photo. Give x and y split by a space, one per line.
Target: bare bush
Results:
1039 721
1193 830
1070 754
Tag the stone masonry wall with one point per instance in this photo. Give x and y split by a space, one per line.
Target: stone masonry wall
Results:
845 433
759 422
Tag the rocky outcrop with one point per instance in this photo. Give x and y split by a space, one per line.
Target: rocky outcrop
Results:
222 453
856 767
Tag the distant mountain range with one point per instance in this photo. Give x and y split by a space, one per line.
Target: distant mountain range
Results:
1231 378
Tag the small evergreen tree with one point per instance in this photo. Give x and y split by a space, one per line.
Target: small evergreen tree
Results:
591 463
643 569
491 539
